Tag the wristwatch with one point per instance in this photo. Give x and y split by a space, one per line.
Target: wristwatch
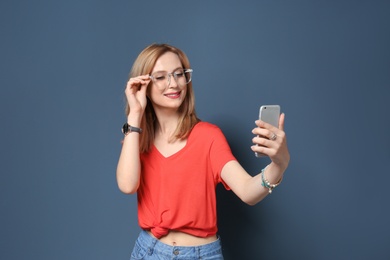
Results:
127 129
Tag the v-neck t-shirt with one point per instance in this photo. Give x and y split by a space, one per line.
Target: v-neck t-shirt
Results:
178 192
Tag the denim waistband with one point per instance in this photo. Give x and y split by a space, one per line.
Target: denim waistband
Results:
154 246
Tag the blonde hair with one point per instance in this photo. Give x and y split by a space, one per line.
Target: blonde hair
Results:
144 64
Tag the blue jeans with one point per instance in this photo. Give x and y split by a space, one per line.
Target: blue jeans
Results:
148 248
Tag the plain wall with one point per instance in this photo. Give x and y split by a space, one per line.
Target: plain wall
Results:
64 65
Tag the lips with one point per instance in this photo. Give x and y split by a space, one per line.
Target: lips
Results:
173 94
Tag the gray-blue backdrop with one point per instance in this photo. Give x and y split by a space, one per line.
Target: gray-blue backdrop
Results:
63 67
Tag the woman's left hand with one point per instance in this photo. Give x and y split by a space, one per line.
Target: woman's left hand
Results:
272 142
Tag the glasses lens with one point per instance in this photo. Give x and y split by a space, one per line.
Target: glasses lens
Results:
188 75
182 77
160 78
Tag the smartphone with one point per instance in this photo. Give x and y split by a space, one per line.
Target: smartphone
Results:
269 114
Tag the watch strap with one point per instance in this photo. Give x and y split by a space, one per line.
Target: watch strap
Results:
127 129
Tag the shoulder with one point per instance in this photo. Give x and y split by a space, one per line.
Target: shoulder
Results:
206 130
206 126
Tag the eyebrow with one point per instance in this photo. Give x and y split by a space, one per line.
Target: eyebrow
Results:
166 71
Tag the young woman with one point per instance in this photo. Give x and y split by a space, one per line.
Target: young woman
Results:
173 161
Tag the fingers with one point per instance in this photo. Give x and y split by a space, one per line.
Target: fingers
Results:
265 145
264 125
266 141
269 139
143 88
135 84
264 150
266 130
136 93
281 121
270 132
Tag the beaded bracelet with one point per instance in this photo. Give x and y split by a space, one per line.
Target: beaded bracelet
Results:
265 183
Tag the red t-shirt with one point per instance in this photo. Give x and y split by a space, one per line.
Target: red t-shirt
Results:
178 192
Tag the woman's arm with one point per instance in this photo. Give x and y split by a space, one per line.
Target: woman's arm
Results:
249 189
129 165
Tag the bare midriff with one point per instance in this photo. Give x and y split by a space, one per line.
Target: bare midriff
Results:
175 238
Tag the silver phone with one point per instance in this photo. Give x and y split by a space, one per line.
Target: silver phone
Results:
269 114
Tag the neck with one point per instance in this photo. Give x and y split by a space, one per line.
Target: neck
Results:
167 125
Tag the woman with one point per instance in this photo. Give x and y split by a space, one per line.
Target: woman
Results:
173 161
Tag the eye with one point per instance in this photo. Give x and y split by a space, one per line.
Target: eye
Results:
159 76
179 73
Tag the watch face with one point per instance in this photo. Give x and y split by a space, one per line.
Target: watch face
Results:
125 128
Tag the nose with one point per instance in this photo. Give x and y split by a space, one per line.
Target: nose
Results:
170 76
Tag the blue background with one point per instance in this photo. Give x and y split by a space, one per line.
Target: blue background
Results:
64 65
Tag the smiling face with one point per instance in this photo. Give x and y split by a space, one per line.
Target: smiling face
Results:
167 96
165 57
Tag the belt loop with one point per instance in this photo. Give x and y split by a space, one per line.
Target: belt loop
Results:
152 245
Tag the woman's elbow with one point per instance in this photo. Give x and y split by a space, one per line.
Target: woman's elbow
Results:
127 186
251 200
127 189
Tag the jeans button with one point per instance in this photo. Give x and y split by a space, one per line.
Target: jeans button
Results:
176 252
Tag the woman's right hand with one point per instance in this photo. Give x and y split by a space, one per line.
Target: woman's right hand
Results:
129 166
136 93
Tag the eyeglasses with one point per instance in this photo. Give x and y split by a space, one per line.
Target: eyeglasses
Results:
163 79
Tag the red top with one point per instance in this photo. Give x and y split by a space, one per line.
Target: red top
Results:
178 192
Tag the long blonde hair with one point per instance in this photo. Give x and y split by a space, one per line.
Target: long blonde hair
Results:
144 64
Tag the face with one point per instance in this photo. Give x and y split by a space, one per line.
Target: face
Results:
162 94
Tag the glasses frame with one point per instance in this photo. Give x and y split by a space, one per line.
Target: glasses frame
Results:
173 74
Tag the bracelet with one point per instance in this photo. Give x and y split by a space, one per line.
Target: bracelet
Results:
265 183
